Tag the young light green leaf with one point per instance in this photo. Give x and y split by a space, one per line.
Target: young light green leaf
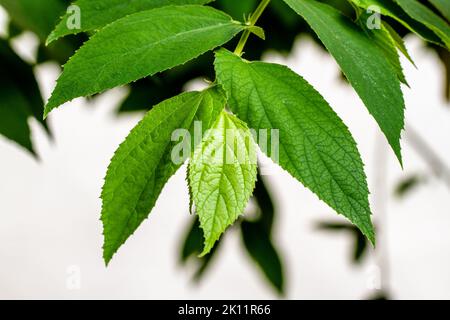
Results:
258 31
390 9
222 175
443 6
89 15
144 162
315 146
362 62
140 45
421 13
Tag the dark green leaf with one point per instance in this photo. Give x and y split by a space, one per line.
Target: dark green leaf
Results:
390 9
408 184
14 114
362 62
34 15
421 13
260 248
399 42
443 6
383 39
95 14
265 204
140 45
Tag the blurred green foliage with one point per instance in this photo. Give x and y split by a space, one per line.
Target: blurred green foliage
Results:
20 99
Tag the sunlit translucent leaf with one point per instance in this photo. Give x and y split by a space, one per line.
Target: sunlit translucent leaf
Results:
222 175
143 163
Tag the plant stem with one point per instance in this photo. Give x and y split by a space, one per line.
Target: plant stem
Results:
253 19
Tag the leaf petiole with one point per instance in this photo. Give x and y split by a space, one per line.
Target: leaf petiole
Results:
252 22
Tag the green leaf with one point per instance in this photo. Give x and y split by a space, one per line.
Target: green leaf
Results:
140 45
315 146
96 14
399 43
143 163
14 114
222 175
421 13
258 31
390 9
383 39
443 6
362 62
36 16
259 246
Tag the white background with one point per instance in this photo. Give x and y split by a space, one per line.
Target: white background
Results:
49 209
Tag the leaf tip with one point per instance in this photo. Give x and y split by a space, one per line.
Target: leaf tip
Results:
49 39
206 250
107 256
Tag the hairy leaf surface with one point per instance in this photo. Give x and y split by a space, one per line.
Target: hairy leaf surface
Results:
383 39
140 45
96 14
362 62
34 15
222 175
143 163
315 146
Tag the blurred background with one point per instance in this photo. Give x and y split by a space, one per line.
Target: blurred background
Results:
288 245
